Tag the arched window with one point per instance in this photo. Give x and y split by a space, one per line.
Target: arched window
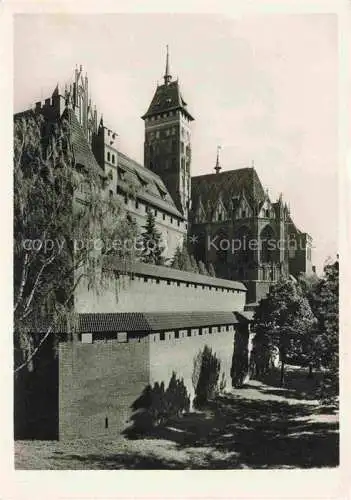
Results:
267 245
244 246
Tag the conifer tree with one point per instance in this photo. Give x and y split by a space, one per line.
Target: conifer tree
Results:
182 259
202 268
152 244
211 270
194 265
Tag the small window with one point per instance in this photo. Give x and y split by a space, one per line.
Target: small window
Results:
108 156
113 159
164 216
178 223
157 281
171 220
267 213
162 336
168 282
243 214
219 216
145 279
111 193
189 333
136 204
176 334
155 213
178 283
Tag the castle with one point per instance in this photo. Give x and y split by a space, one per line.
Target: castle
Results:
163 316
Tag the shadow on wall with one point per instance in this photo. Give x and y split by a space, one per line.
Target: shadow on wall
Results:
156 405
36 398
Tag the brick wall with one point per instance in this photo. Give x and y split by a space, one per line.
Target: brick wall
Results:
99 381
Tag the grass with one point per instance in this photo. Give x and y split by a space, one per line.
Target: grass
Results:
260 426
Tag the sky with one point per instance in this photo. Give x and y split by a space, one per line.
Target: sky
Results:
263 87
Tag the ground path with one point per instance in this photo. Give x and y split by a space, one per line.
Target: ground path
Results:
260 426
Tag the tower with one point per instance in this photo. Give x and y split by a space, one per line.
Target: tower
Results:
167 144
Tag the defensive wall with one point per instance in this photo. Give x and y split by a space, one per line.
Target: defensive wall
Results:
154 329
146 288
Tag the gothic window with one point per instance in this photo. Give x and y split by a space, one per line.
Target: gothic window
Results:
243 246
267 245
267 213
243 214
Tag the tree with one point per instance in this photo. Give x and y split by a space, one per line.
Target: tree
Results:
211 270
283 318
202 268
152 244
63 219
182 259
194 264
324 300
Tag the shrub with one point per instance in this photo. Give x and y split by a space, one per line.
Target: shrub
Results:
207 385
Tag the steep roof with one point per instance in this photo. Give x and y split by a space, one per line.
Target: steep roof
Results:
80 146
149 186
167 98
227 185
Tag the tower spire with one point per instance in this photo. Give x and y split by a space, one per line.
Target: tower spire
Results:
167 77
218 167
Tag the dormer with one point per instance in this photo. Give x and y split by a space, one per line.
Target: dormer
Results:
243 209
266 210
220 212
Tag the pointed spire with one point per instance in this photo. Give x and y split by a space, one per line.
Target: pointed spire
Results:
167 77
218 166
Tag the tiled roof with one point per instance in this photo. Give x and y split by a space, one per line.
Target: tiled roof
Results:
141 322
152 322
246 316
165 321
112 322
167 98
168 273
226 186
81 149
148 185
